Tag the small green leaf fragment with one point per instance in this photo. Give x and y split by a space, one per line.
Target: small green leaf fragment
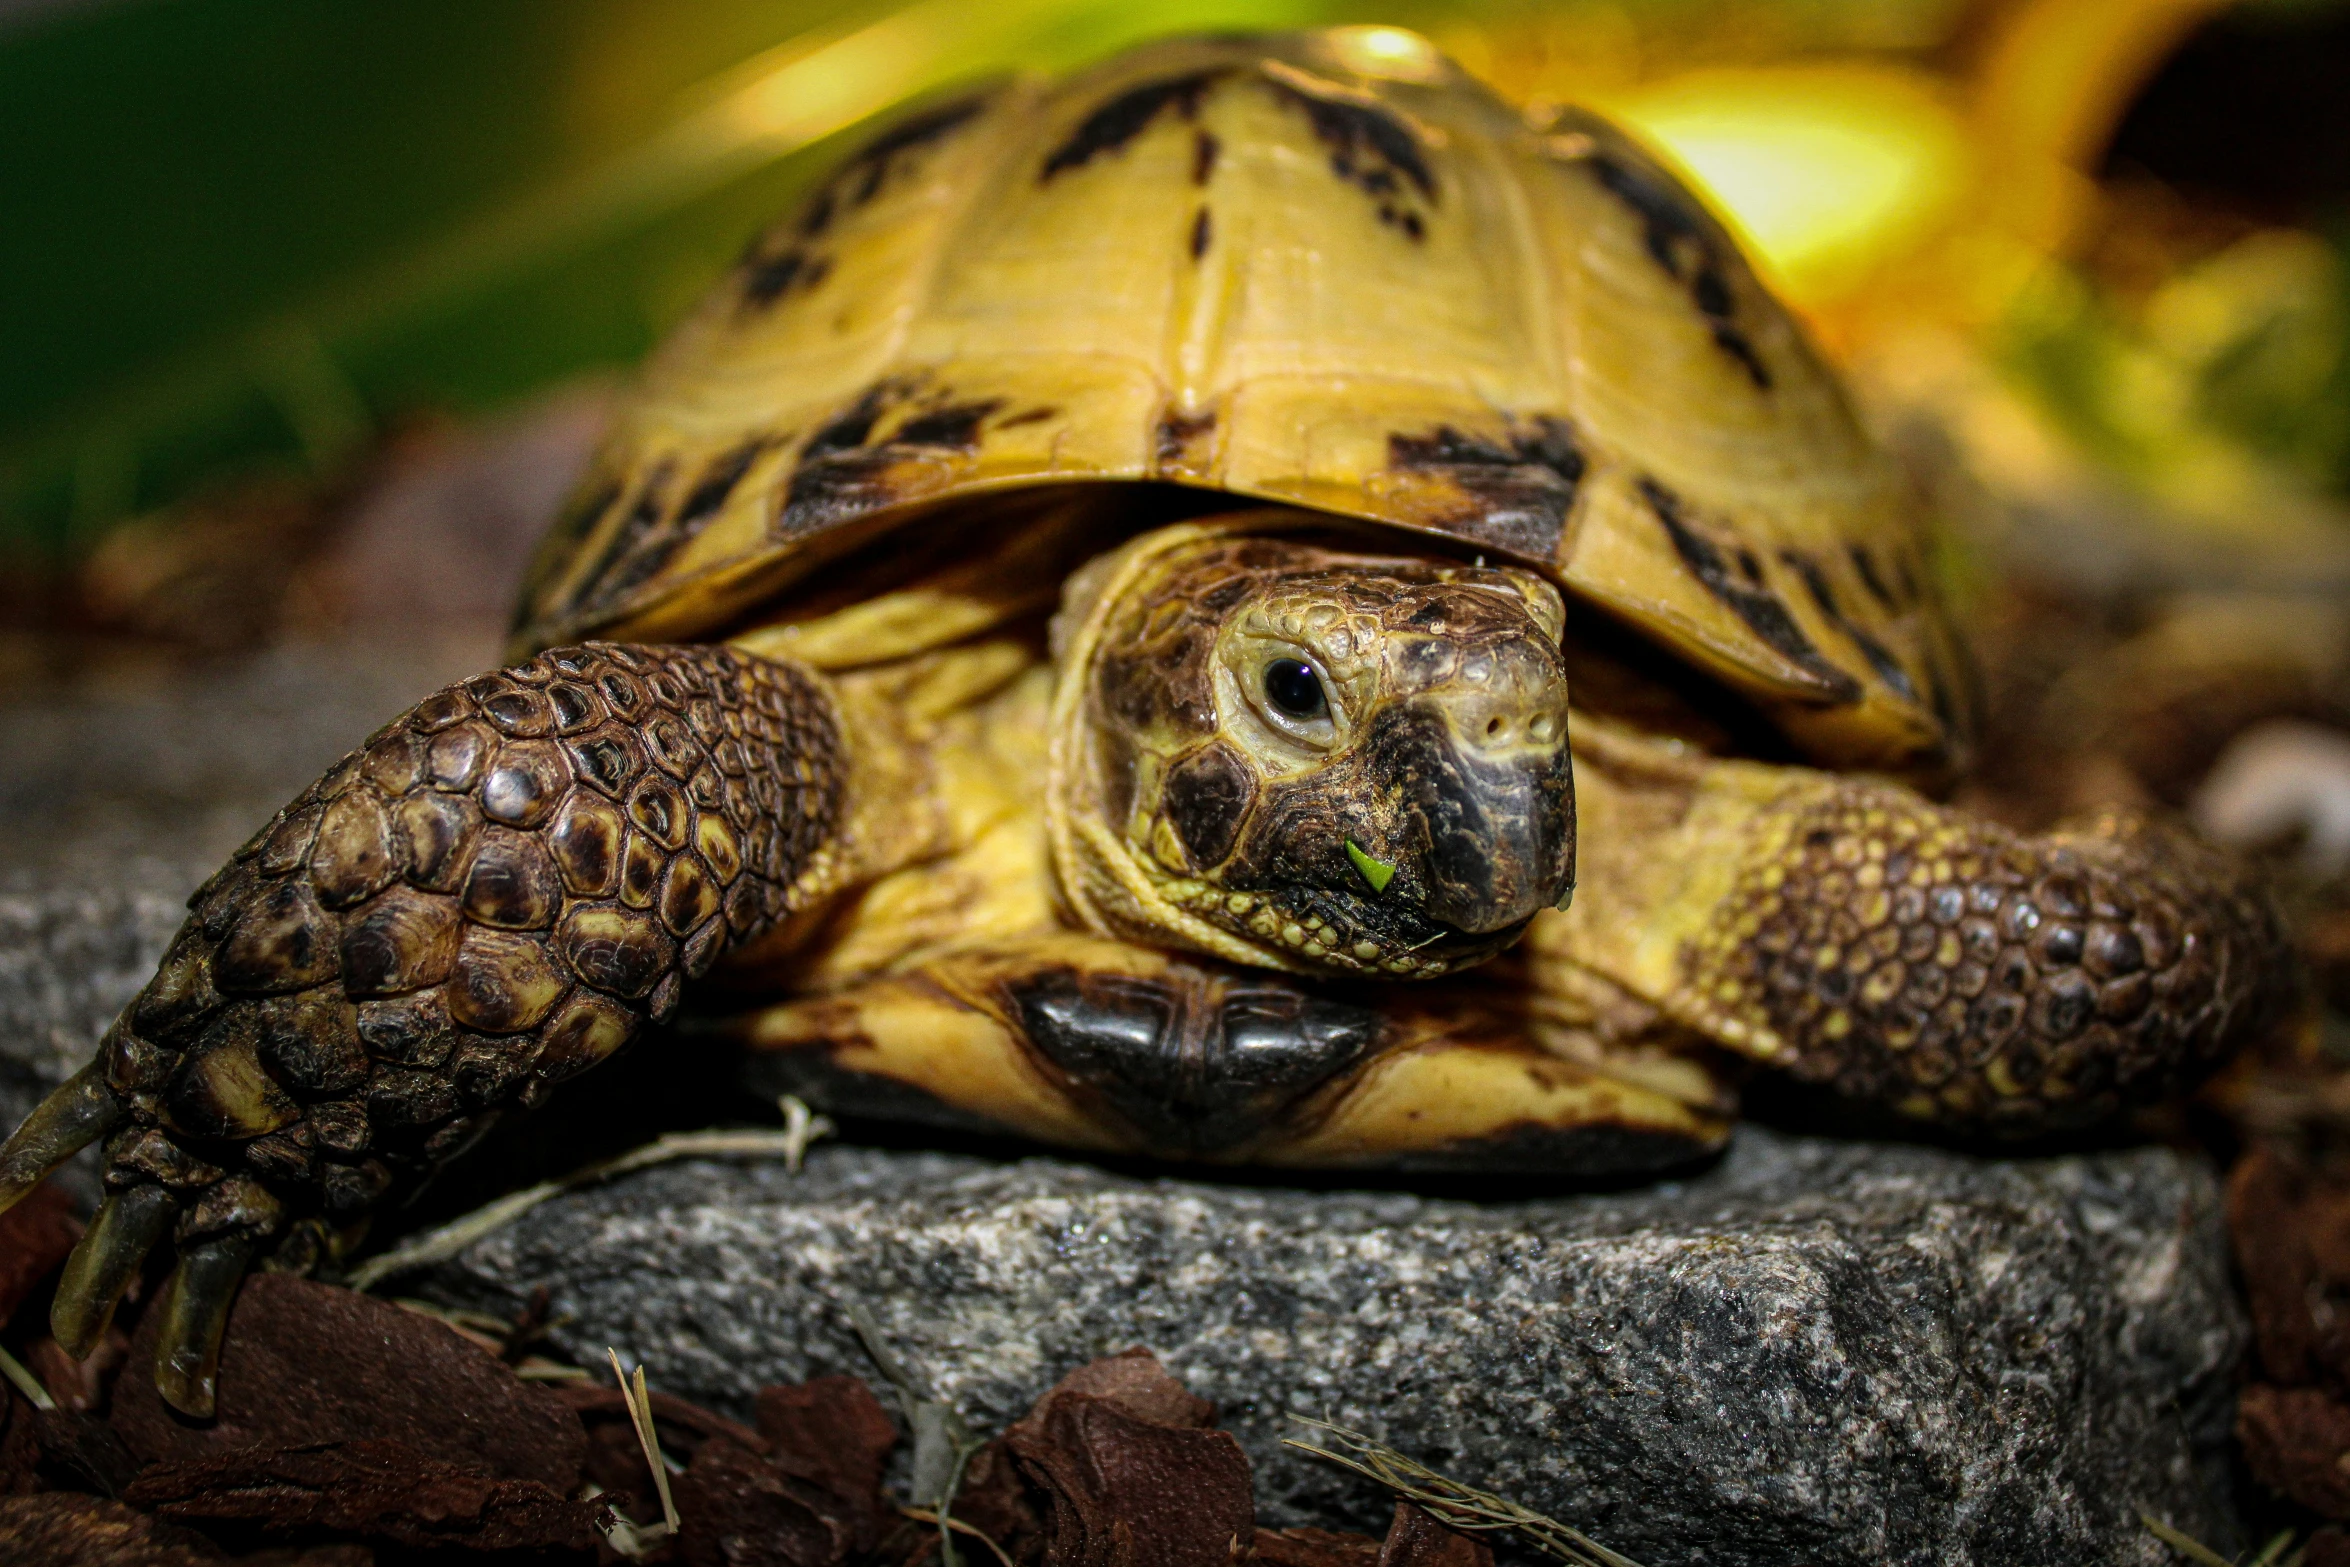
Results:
1377 872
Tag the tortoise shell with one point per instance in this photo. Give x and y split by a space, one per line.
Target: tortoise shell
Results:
1298 269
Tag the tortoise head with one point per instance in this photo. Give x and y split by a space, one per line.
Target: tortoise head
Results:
1288 753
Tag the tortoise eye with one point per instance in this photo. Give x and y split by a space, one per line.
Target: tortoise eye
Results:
1292 686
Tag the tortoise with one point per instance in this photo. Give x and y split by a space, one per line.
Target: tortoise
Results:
1251 605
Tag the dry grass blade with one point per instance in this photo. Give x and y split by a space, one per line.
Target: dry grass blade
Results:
2273 1554
640 1411
943 1441
1453 1504
790 1145
26 1383
925 1515
801 1126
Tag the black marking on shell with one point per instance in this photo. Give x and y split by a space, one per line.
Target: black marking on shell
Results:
843 471
783 262
716 483
644 545
850 430
1372 150
1938 694
826 493
1864 565
1518 497
1202 230
581 516
955 426
1178 431
1204 147
1758 607
1115 123
1823 595
612 573
864 175
1028 416
767 279
1683 244
1733 342
1368 145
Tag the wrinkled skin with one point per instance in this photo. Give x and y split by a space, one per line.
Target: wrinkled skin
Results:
1332 762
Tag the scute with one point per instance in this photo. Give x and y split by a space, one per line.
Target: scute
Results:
1281 269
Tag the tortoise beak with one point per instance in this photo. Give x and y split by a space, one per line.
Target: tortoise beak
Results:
1486 795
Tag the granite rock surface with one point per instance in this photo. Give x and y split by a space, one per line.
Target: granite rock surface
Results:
1816 1352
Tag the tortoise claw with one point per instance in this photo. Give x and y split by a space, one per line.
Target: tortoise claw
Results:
127 1227
195 1315
80 1111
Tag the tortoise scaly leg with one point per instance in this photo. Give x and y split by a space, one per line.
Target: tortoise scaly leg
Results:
490 895
1858 935
82 1110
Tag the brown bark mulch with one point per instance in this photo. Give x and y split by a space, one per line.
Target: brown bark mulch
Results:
353 1432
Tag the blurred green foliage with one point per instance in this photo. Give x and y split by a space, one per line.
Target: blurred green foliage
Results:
2230 377
246 229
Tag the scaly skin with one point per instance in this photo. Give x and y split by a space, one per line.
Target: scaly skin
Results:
492 894
1958 972
1909 955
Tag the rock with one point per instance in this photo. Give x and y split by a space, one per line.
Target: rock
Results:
1816 1352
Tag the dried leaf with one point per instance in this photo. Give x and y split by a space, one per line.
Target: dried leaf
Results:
2294 1441
35 1235
1315 1548
80 1453
1415 1539
1133 1380
1125 1492
306 1363
833 1433
736 1509
2263 1200
376 1489
65 1529
1458 1506
996 1500
20 1445
78 1384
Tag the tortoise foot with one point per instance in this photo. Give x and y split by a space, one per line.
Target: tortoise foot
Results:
495 892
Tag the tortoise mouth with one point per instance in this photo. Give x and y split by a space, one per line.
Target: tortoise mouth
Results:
1339 932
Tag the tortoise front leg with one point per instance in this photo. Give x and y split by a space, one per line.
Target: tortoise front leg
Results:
1092 1043
490 895
1858 935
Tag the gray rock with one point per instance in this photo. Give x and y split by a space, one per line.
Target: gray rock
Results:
1816 1352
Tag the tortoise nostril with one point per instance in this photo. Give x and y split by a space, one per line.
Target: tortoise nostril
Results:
1494 727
